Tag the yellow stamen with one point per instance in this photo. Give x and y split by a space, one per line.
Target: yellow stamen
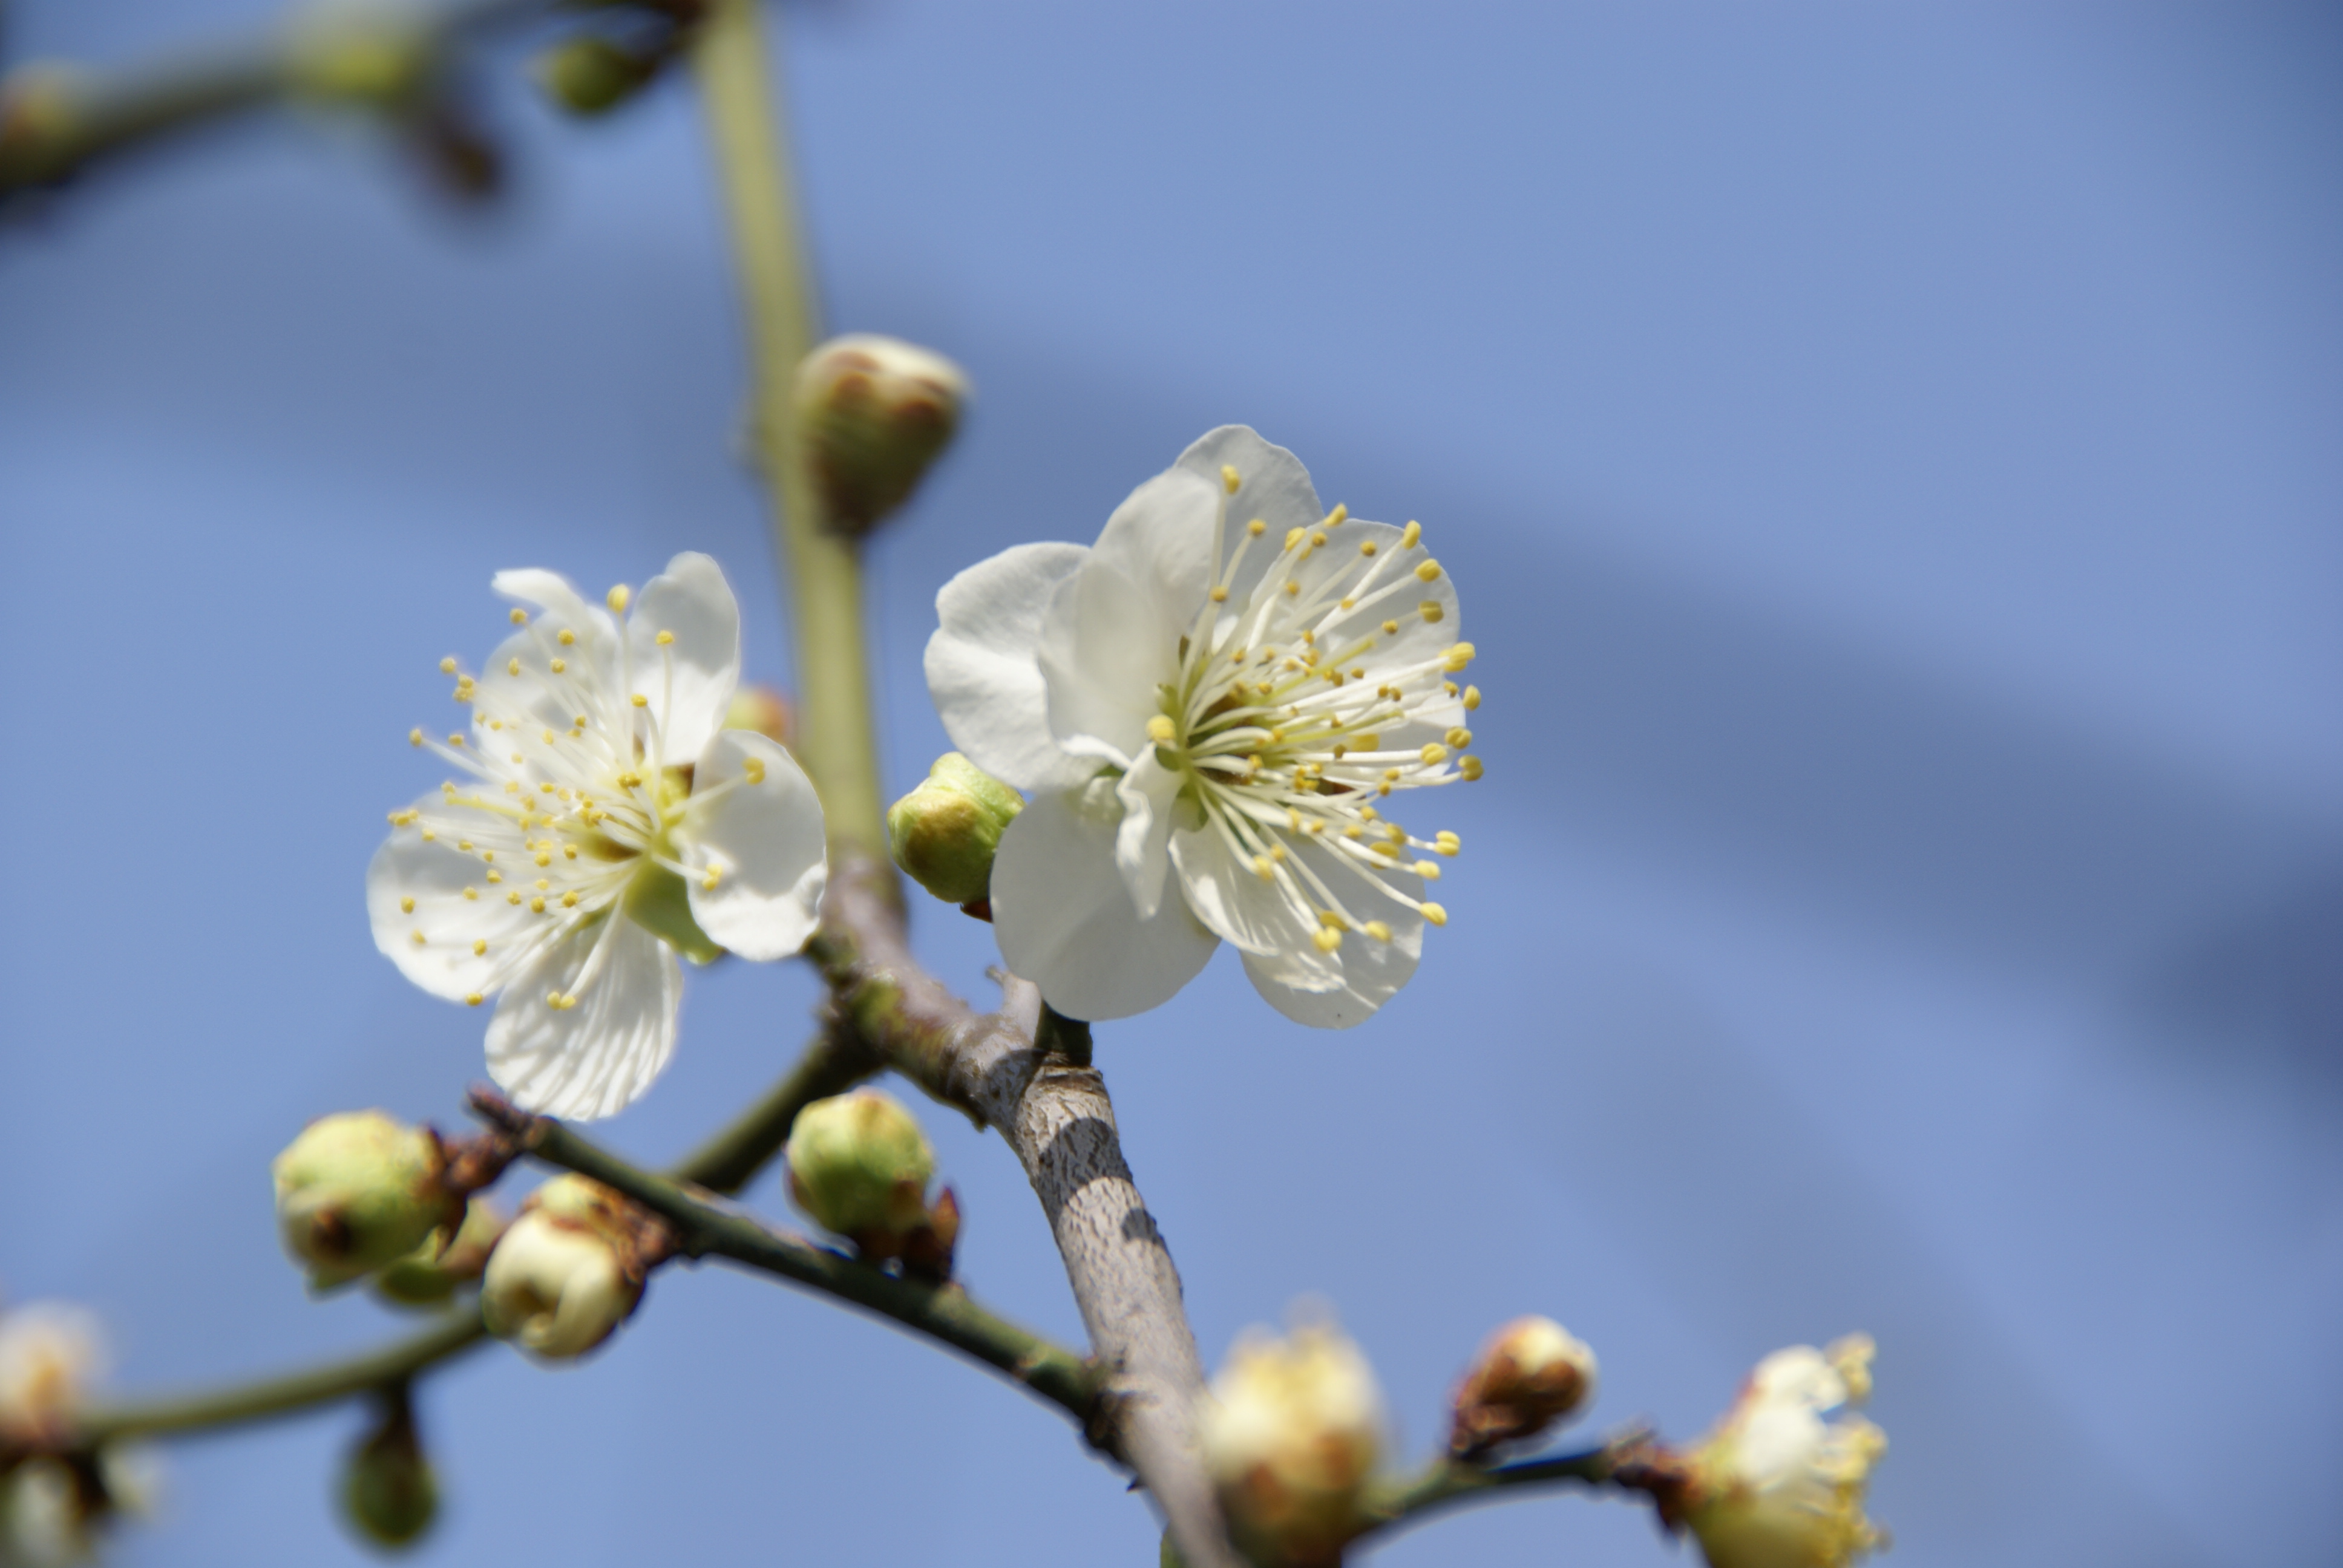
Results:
617 598
407 906
1435 914
1409 535
664 638
753 770
1471 698
1228 478
1161 730
1469 767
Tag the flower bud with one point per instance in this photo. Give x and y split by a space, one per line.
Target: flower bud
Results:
567 1272
433 1272
764 710
1290 1436
388 1491
944 833
357 1191
591 74
859 1164
1530 1375
1775 1485
872 414
49 1351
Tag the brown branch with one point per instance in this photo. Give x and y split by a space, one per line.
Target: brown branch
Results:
1051 1106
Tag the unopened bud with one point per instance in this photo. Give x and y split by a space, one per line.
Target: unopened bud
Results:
49 1352
567 1272
357 1191
1530 1375
38 107
764 710
388 1492
1290 1437
859 1164
433 1272
944 833
872 414
591 74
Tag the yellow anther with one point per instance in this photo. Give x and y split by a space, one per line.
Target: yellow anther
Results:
1368 812
1263 869
418 939
1409 535
567 637
1428 870
617 598
1350 603
664 638
579 722
1219 594
1435 914
560 666
455 739
1328 917
1277 853
407 906
1229 480
1326 938
1428 570
543 883
465 845
639 701
1314 825
1293 588
473 999
1377 930
1318 539
493 723
447 667
1366 547
1384 846
1358 672
479 946
1391 775
1391 628
1292 536
1469 767
1431 610
1447 843
429 835
515 756
513 897
544 859
1161 730
495 877
568 851
707 883
1471 698
1353 830
1395 833
537 905
415 738
1384 787
1335 518
1256 527
512 667
569 900
1457 658
1459 738
753 770
472 895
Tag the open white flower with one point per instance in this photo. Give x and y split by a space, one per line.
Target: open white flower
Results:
1777 1486
606 820
1220 694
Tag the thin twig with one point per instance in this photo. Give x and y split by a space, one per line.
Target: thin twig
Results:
1447 1484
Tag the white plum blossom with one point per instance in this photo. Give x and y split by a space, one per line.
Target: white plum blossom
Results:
605 819
1775 1485
1211 708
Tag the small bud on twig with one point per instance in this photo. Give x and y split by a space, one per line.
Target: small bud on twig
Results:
388 1492
570 1270
1290 1436
944 833
359 1190
860 1164
1530 1375
873 413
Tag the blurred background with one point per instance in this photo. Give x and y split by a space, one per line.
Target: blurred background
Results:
1889 456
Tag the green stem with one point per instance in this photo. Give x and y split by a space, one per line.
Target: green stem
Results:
1446 1484
835 1062
835 741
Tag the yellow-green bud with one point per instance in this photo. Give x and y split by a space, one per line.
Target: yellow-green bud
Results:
359 1190
432 1272
873 413
567 1272
388 1492
859 1164
944 833
589 74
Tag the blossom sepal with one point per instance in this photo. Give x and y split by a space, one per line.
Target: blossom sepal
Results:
446 1262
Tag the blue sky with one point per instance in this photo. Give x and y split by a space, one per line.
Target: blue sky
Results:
1887 453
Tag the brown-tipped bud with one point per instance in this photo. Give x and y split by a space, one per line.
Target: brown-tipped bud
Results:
435 1270
49 1352
944 833
765 710
1290 1437
568 1271
389 1494
872 414
359 1190
858 1165
1530 1375
591 74
928 1250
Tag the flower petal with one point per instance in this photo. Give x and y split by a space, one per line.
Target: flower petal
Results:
1147 793
1066 922
593 1059
981 665
762 840
556 600
1271 483
1161 539
434 874
689 681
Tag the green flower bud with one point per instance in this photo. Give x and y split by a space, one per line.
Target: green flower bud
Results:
873 413
567 1272
357 1191
388 1492
859 1164
944 833
589 74
433 1272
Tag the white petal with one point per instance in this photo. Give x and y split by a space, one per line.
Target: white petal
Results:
764 840
981 665
1147 793
597 1058
434 874
556 600
1066 922
1271 483
1106 648
1161 539
689 681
